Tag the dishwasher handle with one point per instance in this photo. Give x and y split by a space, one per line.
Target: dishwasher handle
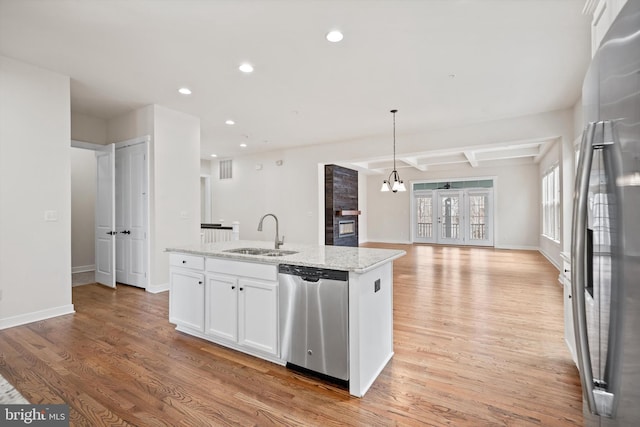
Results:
313 274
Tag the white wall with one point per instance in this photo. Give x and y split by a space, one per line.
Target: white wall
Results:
88 129
516 201
176 194
83 200
35 177
131 125
205 167
291 191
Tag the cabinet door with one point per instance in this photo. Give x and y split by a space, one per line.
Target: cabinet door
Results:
569 334
257 313
186 306
222 307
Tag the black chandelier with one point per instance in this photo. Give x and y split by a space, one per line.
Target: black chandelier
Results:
397 184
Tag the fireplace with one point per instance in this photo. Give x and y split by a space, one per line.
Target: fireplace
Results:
341 206
346 228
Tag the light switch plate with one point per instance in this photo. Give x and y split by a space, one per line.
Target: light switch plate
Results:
50 216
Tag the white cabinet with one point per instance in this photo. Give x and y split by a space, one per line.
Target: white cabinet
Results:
569 334
222 307
258 315
186 302
242 304
232 303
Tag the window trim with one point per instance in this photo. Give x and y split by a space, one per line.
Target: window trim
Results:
551 203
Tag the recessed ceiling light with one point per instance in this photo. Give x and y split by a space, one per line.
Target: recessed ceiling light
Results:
334 36
185 91
246 68
243 145
214 155
229 122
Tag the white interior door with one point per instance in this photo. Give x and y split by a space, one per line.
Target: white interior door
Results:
131 215
105 217
121 220
450 228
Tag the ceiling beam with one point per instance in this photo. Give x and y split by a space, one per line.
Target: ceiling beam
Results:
413 162
471 157
508 154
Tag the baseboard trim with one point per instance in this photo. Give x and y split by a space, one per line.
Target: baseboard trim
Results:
83 268
36 316
156 289
550 259
390 242
518 247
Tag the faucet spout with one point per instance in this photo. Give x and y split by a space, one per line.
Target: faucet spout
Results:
277 241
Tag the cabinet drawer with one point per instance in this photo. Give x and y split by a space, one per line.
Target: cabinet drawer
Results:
245 269
186 261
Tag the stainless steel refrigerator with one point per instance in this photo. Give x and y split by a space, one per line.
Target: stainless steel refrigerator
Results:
605 250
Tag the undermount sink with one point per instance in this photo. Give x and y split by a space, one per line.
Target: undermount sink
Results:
261 251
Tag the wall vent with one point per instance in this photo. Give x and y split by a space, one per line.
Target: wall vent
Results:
226 169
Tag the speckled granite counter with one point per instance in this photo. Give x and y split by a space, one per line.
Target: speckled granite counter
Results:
357 260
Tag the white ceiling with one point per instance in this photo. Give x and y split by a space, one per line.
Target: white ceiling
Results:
441 63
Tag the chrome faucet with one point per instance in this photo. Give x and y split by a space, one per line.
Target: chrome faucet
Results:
278 242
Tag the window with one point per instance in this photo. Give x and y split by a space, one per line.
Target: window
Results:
551 203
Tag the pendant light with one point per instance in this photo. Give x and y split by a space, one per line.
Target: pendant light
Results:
397 184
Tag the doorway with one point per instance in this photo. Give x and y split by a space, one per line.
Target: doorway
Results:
443 214
120 213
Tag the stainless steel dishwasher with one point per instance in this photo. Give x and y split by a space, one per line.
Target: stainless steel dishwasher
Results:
314 319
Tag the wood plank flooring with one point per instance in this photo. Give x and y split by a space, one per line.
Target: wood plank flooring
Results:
478 338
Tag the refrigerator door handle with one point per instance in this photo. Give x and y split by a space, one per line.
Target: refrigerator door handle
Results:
596 135
578 251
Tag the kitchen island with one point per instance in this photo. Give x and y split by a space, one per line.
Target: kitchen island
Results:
225 294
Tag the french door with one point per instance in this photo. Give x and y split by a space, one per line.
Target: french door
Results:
131 214
104 217
449 229
455 217
121 214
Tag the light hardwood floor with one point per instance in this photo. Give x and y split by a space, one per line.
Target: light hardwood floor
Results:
478 341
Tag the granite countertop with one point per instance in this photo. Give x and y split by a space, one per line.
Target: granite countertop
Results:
358 260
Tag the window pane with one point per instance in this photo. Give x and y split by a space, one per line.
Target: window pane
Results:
450 214
424 217
477 217
551 203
